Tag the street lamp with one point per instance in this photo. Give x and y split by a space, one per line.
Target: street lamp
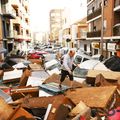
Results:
102 27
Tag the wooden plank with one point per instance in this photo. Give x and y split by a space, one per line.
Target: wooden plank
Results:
20 113
97 97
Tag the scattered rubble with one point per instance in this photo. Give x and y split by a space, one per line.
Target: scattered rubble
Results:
21 100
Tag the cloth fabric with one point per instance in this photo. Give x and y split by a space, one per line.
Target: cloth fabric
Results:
64 73
67 63
67 67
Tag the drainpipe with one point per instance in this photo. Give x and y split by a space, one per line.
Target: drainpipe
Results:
102 27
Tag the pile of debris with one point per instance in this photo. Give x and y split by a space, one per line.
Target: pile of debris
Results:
23 97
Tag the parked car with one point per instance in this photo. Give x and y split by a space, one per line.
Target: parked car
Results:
52 66
36 55
81 71
113 63
79 58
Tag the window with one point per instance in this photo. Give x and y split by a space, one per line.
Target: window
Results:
78 59
105 2
85 59
105 24
93 8
94 28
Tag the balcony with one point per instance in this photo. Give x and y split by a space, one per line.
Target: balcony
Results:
94 34
116 30
18 36
8 12
10 34
117 5
94 14
17 20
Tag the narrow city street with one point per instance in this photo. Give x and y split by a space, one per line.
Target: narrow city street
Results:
60 60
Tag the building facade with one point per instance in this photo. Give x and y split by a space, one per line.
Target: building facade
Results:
56 24
15 24
75 35
21 24
109 27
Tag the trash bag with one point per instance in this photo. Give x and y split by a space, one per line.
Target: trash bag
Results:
113 63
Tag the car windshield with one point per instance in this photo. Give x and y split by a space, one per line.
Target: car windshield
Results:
79 72
78 59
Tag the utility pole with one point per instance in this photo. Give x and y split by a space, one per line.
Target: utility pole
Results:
102 27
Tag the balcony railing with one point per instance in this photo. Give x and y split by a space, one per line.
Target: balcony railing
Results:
116 30
94 34
8 12
94 14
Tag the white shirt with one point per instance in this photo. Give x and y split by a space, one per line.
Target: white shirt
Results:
67 62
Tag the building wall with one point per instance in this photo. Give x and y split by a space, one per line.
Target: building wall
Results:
56 23
80 29
1 28
108 16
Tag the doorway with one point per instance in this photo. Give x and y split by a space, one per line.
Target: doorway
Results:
10 47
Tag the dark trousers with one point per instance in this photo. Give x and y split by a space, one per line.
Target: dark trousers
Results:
64 73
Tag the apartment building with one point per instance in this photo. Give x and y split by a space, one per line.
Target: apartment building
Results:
7 13
15 24
74 35
21 25
56 23
81 42
111 20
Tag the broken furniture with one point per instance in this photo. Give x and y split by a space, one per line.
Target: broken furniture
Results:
35 67
17 93
12 76
60 106
108 75
94 97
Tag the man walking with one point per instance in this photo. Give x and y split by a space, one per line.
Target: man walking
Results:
67 67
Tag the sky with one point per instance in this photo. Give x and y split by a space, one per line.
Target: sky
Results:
39 11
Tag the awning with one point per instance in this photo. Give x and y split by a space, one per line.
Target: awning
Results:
19 40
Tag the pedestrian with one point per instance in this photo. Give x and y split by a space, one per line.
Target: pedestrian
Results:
67 67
